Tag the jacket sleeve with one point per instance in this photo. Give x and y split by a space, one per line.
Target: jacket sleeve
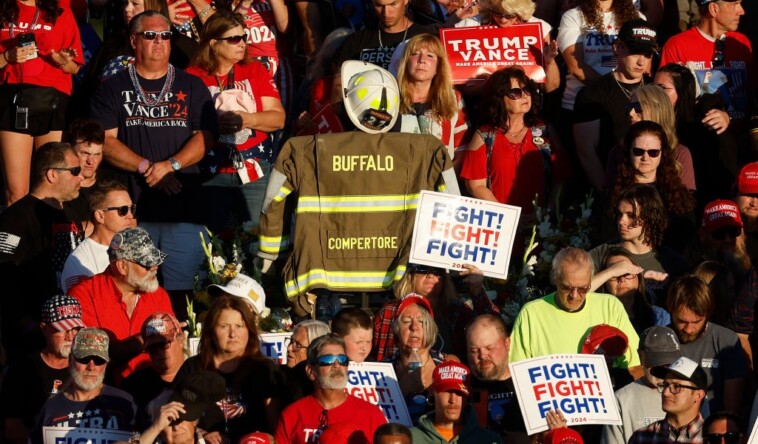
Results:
278 205
443 165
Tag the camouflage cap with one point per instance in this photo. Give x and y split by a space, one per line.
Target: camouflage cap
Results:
135 245
90 342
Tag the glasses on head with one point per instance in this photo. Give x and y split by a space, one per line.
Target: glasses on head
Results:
233 39
674 387
329 360
502 15
639 152
87 359
722 233
718 56
624 278
75 171
123 210
581 290
716 438
152 35
517 93
296 346
636 106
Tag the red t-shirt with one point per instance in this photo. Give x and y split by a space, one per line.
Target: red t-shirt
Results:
263 38
42 71
300 421
102 308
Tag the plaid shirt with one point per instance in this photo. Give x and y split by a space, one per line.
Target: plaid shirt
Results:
662 432
461 313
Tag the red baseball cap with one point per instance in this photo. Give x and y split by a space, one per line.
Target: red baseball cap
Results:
256 438
413 298
563 435
451 375
721 213
605 340
747 183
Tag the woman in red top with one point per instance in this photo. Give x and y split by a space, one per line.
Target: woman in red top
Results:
244 154
512 156
40 50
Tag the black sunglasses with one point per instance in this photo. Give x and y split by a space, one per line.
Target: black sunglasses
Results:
233 39
721 233
87 359
718 57
636 106
123 210
502 15
152 35
715 438
639 152
75 171
517 93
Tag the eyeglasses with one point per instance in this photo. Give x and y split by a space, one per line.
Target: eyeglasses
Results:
517 93
75 171
722 233
323 420
328 360
568 290
68 334
639 152
233 39
296 346
502 15
626 277
718 57
152 35
674 388
636 106
123 210
716 438
87 359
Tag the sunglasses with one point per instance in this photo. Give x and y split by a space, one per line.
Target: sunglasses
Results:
721 233
715 438
639 152
152 35
87 359
75 171
329 360
233 39
569 290
502 15
123 210
718 57
636 106
517 93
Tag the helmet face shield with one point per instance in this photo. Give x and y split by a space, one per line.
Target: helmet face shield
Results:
371 96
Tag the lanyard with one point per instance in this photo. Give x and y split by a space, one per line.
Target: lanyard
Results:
31 28
229 81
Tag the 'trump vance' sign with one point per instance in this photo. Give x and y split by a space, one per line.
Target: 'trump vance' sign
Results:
577 385
452 231
475 53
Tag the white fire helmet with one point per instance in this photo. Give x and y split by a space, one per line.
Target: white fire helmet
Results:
371 96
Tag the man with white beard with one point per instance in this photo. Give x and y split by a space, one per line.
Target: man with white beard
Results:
85 402
121 298
307 418
33 379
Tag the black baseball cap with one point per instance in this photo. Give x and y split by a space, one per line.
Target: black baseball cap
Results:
638 37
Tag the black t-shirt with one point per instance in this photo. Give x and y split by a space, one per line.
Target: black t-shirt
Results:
27 385
247 389
504 414
364 45
144 385
157 133
604 100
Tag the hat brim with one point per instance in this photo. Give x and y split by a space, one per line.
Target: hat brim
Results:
86 352
154 263
192 410
663 370
638 47
661 359
451 386
68 324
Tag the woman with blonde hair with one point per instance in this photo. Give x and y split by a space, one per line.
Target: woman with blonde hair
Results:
428 102
650 102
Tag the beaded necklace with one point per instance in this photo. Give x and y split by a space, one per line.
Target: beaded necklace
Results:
141 96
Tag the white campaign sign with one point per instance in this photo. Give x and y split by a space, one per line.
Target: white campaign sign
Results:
77 435
376 383
577 384
272 345
451 231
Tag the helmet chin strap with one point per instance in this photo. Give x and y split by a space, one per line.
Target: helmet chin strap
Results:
383 101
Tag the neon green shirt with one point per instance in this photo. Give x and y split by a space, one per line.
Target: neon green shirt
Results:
542 328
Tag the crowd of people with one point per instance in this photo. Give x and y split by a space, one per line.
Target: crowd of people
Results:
117 149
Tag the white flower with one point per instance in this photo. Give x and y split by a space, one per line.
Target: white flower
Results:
528 269
218 263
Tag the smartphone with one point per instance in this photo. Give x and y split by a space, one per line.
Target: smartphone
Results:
27 39
22 117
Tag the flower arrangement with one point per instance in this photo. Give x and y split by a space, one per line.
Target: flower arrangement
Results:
551 232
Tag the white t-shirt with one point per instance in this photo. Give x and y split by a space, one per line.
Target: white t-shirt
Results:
89 258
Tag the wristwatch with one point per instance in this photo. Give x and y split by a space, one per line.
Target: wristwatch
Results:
175 165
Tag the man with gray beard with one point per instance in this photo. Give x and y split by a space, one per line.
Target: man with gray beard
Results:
121 298
30 381
85 402
329 405
493 393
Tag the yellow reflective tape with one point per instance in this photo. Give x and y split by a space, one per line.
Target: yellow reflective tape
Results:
357 280
281 194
